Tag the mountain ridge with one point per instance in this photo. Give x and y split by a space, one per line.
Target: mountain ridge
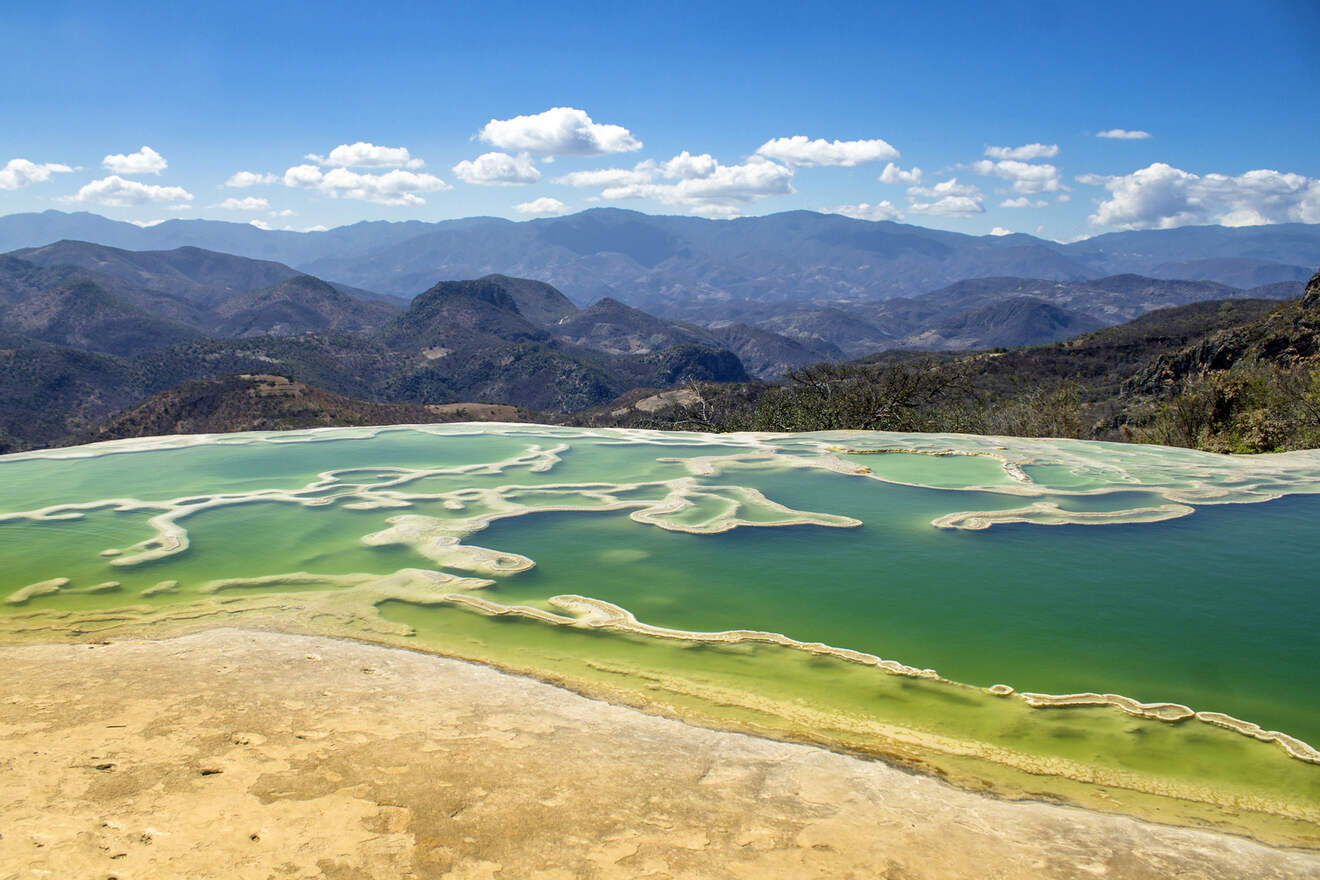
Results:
685 267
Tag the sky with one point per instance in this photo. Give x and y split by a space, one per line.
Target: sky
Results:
1058 119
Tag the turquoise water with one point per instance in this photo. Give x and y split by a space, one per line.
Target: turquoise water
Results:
1215 609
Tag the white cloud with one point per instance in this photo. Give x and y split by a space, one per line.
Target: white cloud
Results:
800 151
1023 202
559 131
117 192
21 172
287 212
686 166
395 187
244 179
302 176
365 155
1026 152
721 193
498 169
702 185
1024 177
260 224
948 198
251 203
146 224
864 211
144 161
542 207
1161 196
642 172
1123 134
317 228
895 175
949 206
1000 230
950 187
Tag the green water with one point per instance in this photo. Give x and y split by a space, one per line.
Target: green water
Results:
1063 609
1215 610
1096 736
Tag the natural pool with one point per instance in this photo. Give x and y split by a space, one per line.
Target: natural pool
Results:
859 590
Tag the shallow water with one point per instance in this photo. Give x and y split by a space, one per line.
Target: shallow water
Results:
1213 608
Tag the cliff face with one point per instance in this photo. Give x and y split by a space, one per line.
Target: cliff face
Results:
1288 337
1311 298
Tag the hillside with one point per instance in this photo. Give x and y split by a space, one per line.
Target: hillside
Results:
191 273
998 312
458 342
1089 387
704 270
768 355
210 294
163 318
469 339
609 325
301 304
1021 320
260 402
76 311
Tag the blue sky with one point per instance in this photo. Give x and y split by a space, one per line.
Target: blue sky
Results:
690 107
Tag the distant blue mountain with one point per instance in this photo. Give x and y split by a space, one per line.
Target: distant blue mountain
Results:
698 269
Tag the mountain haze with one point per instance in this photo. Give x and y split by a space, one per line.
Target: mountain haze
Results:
704 270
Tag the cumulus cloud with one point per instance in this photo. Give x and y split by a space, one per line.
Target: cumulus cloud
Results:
144 161
865 211
251 203
542 207
21 172
686 166
1023 176
950 187
559 131
147 224
1026 152
801 151
948 198
1161 196
721 193
244 179
895 175
260 224
497 169
1023 202
114 191
642 172
1123 134
395 187
365 155
701 185
949 206
1000 230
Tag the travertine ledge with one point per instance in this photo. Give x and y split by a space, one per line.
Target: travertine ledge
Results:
311 756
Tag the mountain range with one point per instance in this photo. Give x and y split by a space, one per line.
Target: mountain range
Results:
705 270
88 329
